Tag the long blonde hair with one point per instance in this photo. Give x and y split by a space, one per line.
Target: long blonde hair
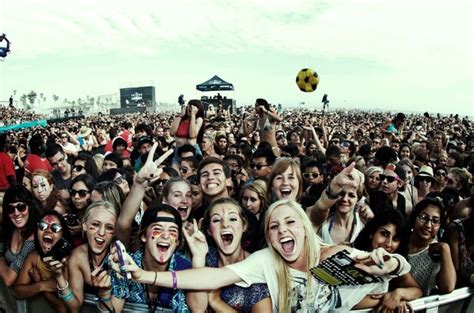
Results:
311 248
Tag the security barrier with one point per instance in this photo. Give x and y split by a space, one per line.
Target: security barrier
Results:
459 301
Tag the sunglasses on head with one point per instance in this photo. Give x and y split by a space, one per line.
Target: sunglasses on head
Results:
78 168
310 175
21 207
82 193
257 166
390 179
55 228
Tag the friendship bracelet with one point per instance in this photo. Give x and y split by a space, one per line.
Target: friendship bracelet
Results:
175 280
106 299
67 297
64 288
156 276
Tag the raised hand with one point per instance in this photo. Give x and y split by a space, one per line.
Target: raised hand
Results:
101 280
55 266
348 177
150 171
131 267
196 241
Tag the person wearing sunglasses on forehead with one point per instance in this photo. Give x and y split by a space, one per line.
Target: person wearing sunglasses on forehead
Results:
432 265
37 275
18 223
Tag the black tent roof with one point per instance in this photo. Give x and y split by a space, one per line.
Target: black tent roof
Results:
214 84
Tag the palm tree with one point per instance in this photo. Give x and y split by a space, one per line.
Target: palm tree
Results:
32 97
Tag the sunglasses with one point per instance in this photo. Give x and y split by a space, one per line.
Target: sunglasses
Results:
390 179
82 193
310 175
440 173
55 228
258 166
425 179
334 142
160 181
20 207
119 180
425 219
78 168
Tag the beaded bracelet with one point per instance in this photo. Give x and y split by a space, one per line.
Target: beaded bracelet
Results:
64 288
67 297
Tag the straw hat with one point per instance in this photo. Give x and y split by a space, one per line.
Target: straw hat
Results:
85 131
426 171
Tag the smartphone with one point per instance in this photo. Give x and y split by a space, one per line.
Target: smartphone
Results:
121 252
60 250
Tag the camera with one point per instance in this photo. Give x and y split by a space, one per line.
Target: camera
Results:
72 219
60 250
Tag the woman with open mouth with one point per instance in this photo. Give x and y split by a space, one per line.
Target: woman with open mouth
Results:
36 275
225 223
87 266
18 224
160 236
293 248
286 181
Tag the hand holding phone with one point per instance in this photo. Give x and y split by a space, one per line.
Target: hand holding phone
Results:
121 254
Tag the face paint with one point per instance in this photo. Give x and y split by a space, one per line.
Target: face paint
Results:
49 219
42 185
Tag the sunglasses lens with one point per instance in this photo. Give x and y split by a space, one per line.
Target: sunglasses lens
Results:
20 207
55 228
42 225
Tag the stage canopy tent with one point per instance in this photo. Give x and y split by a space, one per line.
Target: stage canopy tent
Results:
215 84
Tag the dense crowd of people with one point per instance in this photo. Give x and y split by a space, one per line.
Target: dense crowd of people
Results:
229 211
10 115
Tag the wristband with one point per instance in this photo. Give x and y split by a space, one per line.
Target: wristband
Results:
330 195
67 297
175 280
154 280
397 269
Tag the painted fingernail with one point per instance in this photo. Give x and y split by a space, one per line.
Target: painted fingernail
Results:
122 268
381 265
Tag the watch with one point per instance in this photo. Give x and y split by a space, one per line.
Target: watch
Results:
330 195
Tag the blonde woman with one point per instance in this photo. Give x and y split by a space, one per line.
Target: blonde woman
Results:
293 248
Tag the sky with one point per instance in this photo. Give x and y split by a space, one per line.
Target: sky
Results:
392 55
